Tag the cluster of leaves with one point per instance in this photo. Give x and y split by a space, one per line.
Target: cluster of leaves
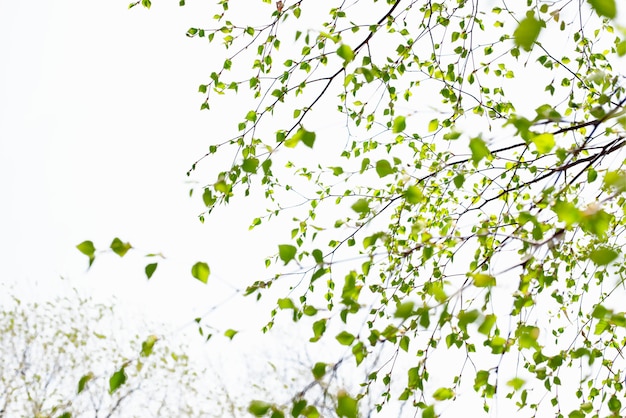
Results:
66 358
475 208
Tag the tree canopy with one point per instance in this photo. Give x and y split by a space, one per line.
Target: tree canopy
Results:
453 176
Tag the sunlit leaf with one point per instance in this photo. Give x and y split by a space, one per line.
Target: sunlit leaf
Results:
603 256
527 32
346 406
384 168
87 248
150 269
605 8
117 380
345 52
120 248
201 271
286 252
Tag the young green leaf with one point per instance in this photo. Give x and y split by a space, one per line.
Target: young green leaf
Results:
479 150
117 380
544 143
150 269
604 8
361 206
120 248
148 345
399 124
603 256
230 333
250 165
345 338
286 252
384 168
527 32
87 248
346 406
259 408
345 52
201 271
82 383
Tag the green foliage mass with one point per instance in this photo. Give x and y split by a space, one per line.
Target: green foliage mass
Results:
462 233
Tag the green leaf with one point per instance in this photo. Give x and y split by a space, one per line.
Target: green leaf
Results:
345 52
604 8
259 408
405 310
384 168
286 252
544 143
443 394
82 383
399 124
251 116
230 333
117 379
361 206
250 165
345 338
304 136
319 370
120 248
413 194
201 271
87 248
148 345
346 406
458 180
603 256
516 383
319 327
479 150
150 269
433 125
527 32
483 280
429 412
146 3
286 303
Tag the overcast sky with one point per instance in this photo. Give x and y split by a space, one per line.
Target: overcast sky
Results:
99 122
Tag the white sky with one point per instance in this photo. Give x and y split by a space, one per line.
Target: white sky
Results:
99 121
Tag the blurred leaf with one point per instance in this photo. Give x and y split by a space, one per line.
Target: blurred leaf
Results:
120 248
479 150
150 269
87 248
117 379
603 256
604 8
148 345
527 32
286 252
345 338
230 333
544 143
384 168
201 271
259 408
346 406
399 124
361 206
345 52
82 383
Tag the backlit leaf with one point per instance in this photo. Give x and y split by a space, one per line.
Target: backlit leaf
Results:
201 271
286 252
527 32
